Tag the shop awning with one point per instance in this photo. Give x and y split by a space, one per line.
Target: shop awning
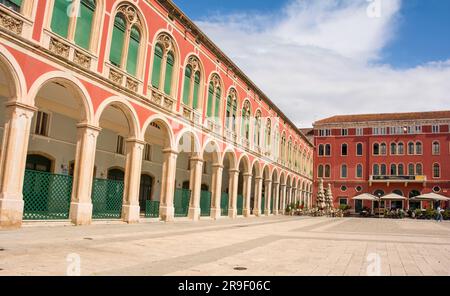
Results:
393 196
431 196
365 196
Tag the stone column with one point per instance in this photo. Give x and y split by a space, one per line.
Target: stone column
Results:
233 192
276 191
216 191
283 199
196 185
16 134
247 194
258 196
166 209
83 174
130 209
268 196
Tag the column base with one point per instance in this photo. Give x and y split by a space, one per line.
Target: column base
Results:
275 212
131 214
232 213
11 213
80 213
194 214
246 213
267 212
257 213
216 213
167 213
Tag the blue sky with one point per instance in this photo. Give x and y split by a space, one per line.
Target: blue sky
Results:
422 34
331 57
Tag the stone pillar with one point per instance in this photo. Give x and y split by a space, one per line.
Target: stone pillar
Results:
16 134
216 191
130 209
166 209
83 174
257 211
196 185
247 192
276 196
283 199
233 192
268 196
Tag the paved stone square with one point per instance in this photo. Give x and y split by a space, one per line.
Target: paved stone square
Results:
260 246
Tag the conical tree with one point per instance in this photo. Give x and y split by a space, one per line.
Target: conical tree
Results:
321 196
329 198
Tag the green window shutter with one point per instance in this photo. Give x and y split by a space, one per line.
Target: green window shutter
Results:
210 100
228 112
157 60
133 50
84 23
169 74
244 123
217 111
196 90
115 55
187 85
60 18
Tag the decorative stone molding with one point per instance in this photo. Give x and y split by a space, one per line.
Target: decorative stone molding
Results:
11 23
161 99
82 60
132 84
194 62
115 77
59 48
166 42
130 14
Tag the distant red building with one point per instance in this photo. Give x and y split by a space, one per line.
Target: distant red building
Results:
403 153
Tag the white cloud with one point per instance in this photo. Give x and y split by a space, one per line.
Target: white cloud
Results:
315 58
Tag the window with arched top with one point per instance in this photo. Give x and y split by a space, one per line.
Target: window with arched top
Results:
321 150
376 149
410 148
393 149
411 168
383 149
344 149
401 170
400 148
344 171
359 171
231 111
268 134
436 148
436 170
126 40
73 20
245 127
192 82
383 170
257 132
163 72
320 172
327 171
12 4
376 170
393 170
283 148
359 149
214 98
289 152
419 170
419 148
328 150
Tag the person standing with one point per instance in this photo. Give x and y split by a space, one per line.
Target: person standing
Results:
439 214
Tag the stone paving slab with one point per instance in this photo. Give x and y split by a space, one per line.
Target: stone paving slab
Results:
259 246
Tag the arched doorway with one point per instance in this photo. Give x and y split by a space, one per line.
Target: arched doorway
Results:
145 191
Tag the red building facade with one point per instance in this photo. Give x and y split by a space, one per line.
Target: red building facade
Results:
403 153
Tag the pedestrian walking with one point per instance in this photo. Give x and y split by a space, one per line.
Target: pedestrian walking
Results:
439 217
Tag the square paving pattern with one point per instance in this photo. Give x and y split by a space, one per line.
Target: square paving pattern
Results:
255 246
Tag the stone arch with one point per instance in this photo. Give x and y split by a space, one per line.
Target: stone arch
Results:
194 143
64 78
211 146
246 163
162 121
127 109
229 151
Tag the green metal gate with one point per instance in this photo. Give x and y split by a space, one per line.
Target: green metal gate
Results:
181 202
46 196
205 203
224 202
107 199
263 204
152 209
240 205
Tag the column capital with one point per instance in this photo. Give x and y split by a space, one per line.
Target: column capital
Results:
276 183
21 106
233 171
169 151
268 181
217 165
196 159
88 126
258 178
135 140
247 175
283 185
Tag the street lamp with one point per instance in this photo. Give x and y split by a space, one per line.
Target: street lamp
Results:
379 202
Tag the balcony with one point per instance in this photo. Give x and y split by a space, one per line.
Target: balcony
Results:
161 99
15 22
213 126
245 142
230 135
191 114
397 179
69 51
123 79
